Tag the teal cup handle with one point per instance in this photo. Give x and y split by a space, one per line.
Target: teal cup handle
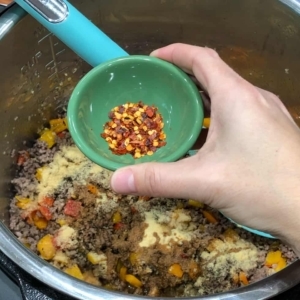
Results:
74 30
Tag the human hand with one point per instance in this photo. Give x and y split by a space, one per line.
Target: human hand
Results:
249 167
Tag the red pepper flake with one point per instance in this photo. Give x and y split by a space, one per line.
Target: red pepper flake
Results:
150 111
72 208
135 128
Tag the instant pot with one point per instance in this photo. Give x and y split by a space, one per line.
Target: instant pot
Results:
260 39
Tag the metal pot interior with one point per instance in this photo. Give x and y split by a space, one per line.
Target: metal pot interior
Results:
259 39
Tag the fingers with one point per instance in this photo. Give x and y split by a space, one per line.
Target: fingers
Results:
177 54
224 86
204 63
175 180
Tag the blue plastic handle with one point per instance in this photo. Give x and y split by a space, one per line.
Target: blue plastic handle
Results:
79 34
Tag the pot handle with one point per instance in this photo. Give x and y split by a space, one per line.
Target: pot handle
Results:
4 5
9 18
294 4
5 2
31 288
73 29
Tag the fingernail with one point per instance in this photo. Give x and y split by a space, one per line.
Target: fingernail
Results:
122 182
154 53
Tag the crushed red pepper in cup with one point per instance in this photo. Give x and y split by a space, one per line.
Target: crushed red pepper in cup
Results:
134 128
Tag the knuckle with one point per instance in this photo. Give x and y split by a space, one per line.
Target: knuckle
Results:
274 98
152 181
272 95
211 52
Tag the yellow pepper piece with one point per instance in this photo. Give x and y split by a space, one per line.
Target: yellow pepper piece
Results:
122 274
39 173
176 270
133 258
61 222
119 266
209 217
74 271
40 223
281 264
195 203
206 122
48 137
243 278
230 233
116 218
46 247
95 258
194 269
58 125
132 280
273 257
92 189
23 203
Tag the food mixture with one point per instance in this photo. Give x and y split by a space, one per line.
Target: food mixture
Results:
135 128
64 211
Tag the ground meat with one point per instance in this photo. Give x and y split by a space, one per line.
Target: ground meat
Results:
105 234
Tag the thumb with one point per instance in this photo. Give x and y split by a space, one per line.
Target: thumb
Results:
179 179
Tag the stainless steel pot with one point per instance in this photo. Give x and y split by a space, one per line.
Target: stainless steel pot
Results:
260 39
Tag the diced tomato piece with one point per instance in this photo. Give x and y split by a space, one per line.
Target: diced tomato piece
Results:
47 201
72 208
118 226
45 211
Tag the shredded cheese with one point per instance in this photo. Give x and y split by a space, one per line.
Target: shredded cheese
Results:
66 237
163 228
67 163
